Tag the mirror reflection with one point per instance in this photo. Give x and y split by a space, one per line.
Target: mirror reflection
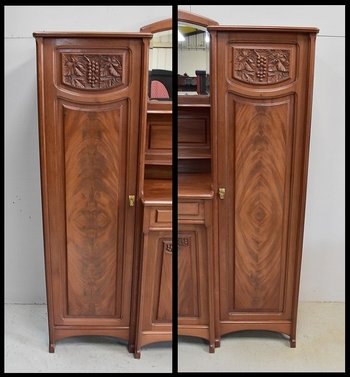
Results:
160 66
193 59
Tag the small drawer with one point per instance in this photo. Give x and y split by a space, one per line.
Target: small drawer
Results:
191 210
160 217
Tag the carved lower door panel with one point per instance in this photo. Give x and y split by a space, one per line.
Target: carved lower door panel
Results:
195 287
90 92
155 292
263 123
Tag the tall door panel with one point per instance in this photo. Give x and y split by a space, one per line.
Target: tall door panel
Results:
256 204
192 282
261 145
94 143
90 156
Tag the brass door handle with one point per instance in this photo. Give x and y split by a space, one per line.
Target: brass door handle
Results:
131 200
222 191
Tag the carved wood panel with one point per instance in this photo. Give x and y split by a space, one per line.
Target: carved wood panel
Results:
93 71
94 192
263 64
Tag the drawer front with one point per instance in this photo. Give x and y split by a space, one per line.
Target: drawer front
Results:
191 211
159 217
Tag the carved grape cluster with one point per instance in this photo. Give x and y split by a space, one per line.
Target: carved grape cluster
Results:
261 63
93 72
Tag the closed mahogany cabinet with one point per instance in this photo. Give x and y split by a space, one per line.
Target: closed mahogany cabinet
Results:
262 95
91 94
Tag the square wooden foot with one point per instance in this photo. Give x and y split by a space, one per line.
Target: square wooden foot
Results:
52 347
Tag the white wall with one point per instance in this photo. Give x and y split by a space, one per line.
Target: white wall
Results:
191 60
161 51
323 266
324 246
161 58
24 256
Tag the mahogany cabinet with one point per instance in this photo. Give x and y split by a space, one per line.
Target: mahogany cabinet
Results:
261 91
92 105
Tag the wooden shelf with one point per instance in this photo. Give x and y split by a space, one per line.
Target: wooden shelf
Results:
193 154
191 185
193 101
195 185
159 107
157 192
166 160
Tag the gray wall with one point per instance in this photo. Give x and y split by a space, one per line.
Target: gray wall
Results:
324 246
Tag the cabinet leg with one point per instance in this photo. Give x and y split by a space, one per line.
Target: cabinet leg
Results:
211 348
52 347
137 354
292 342
217 343
131 348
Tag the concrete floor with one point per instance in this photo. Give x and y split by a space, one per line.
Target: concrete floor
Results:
26 349
320 347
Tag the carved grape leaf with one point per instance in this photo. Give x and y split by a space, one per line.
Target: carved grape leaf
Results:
281 67
78 84
113 71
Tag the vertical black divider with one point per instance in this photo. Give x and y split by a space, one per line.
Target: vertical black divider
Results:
174 191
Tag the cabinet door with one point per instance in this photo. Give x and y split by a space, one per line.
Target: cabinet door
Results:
156 286
89 143
193 295
154 322
261 145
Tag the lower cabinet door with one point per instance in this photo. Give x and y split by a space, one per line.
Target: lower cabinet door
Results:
195 288
158 276
193 292
155 295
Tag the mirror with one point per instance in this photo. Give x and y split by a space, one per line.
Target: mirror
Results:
160 66
193 59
